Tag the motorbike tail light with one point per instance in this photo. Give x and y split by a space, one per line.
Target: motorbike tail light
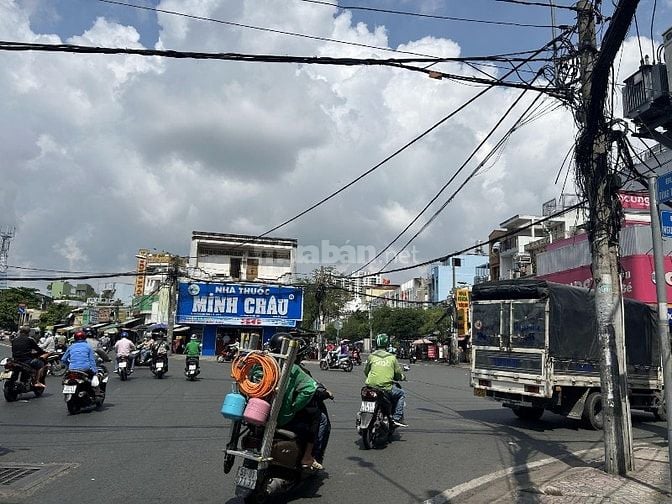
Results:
532 389
72 376
368 393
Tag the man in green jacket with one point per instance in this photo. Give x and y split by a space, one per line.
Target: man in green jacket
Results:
382 369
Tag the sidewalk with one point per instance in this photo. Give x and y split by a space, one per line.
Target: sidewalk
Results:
575 479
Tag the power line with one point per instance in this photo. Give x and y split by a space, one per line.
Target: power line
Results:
446 257
536 4
471 175
428 16
259 28
391 156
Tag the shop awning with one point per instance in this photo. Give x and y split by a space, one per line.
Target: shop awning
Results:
179 328
99 325
67 329
132 322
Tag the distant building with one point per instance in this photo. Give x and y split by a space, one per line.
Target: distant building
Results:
64 290
469 272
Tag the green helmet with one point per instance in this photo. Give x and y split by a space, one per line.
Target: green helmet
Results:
382 340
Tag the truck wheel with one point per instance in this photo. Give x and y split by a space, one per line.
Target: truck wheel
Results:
660 411
592 411
528 413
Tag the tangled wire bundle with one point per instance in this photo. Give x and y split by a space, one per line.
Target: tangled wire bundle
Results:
242 371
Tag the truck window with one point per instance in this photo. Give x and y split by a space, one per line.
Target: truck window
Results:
486 324
528 325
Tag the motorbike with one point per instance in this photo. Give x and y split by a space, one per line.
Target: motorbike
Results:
54 365
124 365
374 418
357 358
283 472
159 365
412 358
192 368
343 362
21 378
83 391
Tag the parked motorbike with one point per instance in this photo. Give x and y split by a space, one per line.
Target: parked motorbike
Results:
192 368
83 391
159 365
124 365
282 474
374 418
340 362
21 378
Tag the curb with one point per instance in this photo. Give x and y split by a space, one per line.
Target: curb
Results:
446 496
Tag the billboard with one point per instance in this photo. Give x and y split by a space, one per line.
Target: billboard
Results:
239 304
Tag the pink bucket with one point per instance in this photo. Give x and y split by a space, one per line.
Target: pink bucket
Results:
256 412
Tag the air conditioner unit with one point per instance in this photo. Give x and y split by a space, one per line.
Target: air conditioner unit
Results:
496 247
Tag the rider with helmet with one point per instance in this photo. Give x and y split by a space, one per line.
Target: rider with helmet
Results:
123 348
25 349
301 411
80 356
193 348
382 369
146 347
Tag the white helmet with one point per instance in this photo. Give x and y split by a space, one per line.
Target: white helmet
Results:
194 337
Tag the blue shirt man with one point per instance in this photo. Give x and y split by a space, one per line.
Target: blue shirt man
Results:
79 356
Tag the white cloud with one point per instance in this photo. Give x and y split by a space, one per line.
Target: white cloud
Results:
103 155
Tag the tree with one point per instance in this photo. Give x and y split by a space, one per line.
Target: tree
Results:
436 319
55 314
322 297
10 299
402 323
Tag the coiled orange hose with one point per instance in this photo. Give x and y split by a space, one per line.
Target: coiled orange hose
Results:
242 369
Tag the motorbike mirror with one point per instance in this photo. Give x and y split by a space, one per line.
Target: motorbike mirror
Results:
4 361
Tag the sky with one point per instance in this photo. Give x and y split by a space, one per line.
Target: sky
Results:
103 155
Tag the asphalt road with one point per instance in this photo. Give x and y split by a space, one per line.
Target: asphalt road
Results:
162 440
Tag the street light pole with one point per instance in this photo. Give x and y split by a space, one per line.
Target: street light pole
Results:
173 269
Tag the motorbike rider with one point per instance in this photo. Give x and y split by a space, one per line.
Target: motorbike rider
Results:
382 369
146 348
25 349
47 343
160 347
192 350
123 348
300 411
80 356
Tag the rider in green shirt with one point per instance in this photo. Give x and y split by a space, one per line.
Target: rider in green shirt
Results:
382 370
193 348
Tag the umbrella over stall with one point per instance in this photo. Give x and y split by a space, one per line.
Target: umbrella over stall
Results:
422 341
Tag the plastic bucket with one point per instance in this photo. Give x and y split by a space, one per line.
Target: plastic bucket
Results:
234 405
257 411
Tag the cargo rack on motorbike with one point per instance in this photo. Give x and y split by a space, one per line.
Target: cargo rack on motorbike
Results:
286 358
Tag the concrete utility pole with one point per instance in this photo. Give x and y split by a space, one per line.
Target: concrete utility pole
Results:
454 358
600 187
173 274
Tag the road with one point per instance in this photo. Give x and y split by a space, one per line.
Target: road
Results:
161 441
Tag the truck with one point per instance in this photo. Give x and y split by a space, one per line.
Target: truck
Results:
535 347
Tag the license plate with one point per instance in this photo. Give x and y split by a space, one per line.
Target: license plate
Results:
159 365
122 365
192 367
479 392
368 407
5 375
69 389
246 478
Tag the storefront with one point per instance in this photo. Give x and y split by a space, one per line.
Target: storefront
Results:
220 313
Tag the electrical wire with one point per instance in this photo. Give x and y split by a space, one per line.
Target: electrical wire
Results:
391 156
445 258
470 176
536 4
428 16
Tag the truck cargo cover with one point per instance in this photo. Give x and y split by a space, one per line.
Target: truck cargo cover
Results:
572 319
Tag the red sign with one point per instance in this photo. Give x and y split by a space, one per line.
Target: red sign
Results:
638 276
631 200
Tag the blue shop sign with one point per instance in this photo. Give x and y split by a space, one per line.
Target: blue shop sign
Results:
239 304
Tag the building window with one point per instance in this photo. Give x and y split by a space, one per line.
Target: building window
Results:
235 267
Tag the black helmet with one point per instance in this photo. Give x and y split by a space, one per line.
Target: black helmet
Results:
89 331
275 344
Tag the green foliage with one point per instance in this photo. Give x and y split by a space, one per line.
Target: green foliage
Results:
400 323
321 297
9 305
55 314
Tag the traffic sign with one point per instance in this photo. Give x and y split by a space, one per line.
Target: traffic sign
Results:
666 223
665 187
22 309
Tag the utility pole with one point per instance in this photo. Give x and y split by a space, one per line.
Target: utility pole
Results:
600 186
454 359
173 274
6 235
